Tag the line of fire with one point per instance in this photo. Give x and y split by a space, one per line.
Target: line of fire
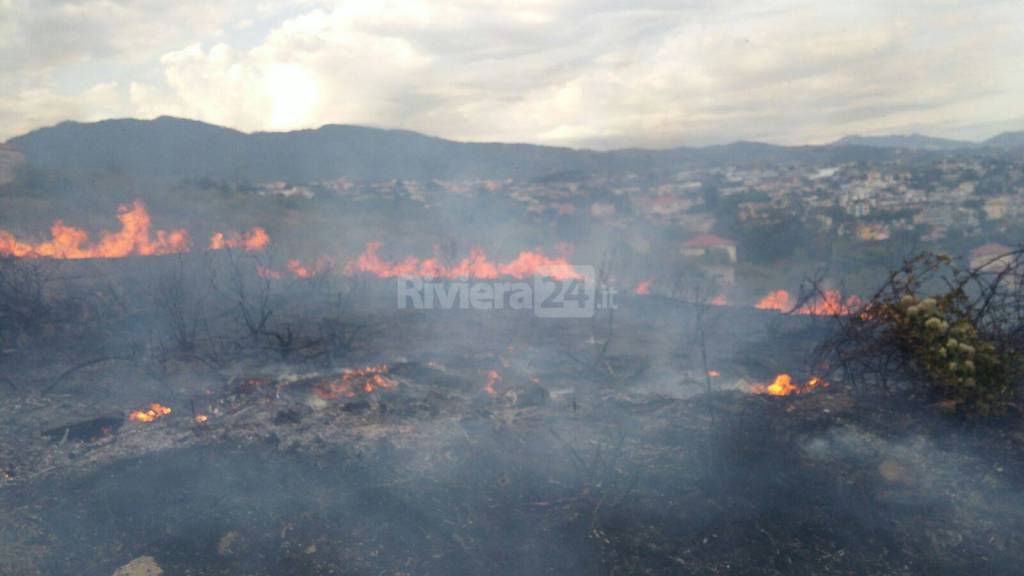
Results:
647 372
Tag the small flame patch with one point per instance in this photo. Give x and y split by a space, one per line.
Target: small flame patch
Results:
155 412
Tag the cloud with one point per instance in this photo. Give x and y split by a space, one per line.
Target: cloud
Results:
605 73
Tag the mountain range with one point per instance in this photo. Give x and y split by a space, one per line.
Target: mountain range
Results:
175 148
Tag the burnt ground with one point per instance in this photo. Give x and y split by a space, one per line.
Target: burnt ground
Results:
574 465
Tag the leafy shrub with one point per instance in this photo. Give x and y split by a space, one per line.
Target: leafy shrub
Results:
949 334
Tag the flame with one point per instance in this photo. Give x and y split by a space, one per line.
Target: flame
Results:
476 265
135 238
492 378
154 412
642 287
830 303
719 300
300 270
72 243
254 240
714 373
353 382
784 385
777 300
202 418
269 273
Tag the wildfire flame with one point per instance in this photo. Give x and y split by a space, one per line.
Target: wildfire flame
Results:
155 412
135 238
830 303
72 243
300 270
492 378
777 300
357 381
784 385
476 265
254 240
642 287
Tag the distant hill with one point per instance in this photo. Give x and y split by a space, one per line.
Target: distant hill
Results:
176 149
10 161
1007 140
907 141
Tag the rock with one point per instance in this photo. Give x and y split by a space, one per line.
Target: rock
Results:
141 566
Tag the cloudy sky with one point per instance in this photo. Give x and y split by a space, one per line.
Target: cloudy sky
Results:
598 73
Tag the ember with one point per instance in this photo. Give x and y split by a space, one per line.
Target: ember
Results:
354 382
155 412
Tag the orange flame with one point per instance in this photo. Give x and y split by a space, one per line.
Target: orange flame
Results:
831 303
777 300
642 287
353 382
492 378
476 265
154 412
719 300
300 270
784 385
68 242
135 238
254 240
269 273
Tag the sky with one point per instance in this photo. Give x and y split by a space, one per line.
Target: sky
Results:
600 74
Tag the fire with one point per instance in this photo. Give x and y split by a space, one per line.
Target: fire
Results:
784 385
354 382
254 240
155 412
476 265
714 373
830 303
202 418
269 273
135 238
72 243
642 287
492 378
300 270
719 300
296 268
777 300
